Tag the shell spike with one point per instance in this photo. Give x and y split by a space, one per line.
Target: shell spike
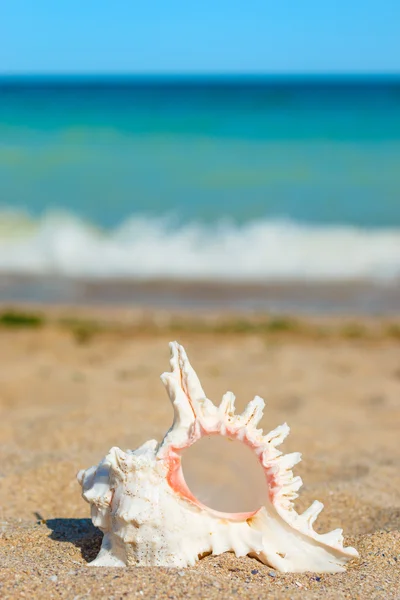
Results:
277 435
334 537
183 387
182 368
253 412
183 411
293 486
288 461
227 405
310 515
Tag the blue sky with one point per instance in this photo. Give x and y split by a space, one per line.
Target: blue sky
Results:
199 36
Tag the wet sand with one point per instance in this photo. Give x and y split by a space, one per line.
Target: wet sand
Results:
300 296
66 398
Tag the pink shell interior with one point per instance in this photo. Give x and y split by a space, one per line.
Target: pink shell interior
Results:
177 482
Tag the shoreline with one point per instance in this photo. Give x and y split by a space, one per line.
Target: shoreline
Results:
341 297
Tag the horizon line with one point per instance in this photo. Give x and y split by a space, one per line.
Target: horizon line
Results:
202 74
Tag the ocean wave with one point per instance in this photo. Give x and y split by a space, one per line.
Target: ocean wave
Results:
149 248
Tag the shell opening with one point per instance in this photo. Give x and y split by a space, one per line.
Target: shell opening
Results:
235 484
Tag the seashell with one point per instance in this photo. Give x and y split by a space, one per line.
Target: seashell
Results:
140 500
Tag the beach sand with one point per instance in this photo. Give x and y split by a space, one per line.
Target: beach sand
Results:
70 390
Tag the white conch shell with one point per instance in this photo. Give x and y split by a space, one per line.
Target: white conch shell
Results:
140 500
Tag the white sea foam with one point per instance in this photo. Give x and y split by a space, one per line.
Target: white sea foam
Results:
144 248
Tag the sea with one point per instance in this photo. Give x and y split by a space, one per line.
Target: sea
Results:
275 193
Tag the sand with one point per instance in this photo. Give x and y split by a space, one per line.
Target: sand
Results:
65 399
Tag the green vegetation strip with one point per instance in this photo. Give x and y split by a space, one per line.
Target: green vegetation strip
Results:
83 329
17 319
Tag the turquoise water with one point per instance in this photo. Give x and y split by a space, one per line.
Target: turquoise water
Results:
103 176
